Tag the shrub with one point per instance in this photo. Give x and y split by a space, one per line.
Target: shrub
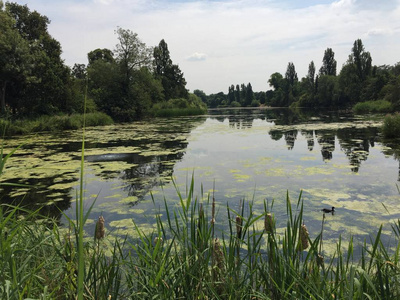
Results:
378 106
255 103
235 104
391 126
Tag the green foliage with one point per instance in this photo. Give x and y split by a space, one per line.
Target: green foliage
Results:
378 106
187 256
328 63
45 86
169 74
53 123
391 126
180 107
255 103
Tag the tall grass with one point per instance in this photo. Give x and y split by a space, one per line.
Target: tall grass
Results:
191 256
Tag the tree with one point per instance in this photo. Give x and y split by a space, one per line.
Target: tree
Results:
327 93
291 83
79 71
291 75
277 82
354 74
131 54
231 94
328 63
311 77
14 56
104 54
237 94
249 95
171 76
361 59
48 87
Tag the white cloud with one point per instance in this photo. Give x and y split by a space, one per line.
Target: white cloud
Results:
197 57
245 41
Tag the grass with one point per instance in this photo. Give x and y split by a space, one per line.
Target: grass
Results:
53 123
391 126
190 257
377 106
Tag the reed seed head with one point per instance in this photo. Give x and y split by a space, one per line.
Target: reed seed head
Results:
239 222
320 260
218 255
157 239
100 230
303 238
269 223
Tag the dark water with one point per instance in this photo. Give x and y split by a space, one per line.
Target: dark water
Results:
333 159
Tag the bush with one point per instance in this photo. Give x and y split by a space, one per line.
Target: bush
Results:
391 126
235 104
378 106
179 107
255 103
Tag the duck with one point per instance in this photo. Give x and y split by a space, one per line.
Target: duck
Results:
327 210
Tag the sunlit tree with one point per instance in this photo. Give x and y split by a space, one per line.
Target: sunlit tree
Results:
328 63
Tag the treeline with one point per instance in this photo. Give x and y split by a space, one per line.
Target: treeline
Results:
128 83
358 81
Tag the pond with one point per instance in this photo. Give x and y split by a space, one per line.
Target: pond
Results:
256 155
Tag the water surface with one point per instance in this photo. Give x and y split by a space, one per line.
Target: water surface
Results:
333 159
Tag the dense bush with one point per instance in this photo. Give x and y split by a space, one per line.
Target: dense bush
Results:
378 106
391 126
179 107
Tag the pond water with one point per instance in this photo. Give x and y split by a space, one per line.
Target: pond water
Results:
333 159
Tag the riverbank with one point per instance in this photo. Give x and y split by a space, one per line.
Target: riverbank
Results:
53 123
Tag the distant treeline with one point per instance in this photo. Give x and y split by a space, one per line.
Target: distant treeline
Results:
134 80
128 83
358 81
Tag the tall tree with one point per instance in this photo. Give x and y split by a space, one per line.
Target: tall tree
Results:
231 94
131 54
249 94
291 74
291 83
237 94
171 76
361 59
47 91
328 63
311 76
14 56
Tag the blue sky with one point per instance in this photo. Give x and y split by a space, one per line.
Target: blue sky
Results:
219 43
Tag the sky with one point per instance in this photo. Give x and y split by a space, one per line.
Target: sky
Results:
220 43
